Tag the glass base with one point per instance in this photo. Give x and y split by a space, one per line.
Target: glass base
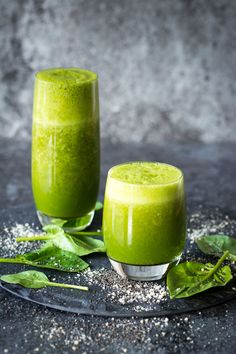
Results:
142 272
69 225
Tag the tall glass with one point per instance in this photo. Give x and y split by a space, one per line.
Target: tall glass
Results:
144 220
65 145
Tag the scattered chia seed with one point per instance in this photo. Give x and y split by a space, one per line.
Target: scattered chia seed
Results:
8 245
140 296
215 223
125 291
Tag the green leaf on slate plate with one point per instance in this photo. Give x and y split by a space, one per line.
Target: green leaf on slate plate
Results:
86 233
36 280
190 278
53 231
88 245
54 256
50 256
217 244
81 246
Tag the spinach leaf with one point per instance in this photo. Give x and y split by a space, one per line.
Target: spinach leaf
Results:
51 232
36 280
51 257
81 247
190 278
79 244
217 244
86 233
87 245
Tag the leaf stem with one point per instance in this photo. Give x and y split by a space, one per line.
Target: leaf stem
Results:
9 260
86 233
69 286
34 238
49 237
217 265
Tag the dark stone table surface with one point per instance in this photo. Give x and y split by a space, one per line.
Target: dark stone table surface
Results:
210 172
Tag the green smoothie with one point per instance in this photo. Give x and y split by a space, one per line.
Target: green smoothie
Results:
65 142
144 220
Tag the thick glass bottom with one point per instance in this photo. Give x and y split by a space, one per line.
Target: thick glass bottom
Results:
72 224
142 272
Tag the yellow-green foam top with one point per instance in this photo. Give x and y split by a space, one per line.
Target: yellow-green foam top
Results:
66 76
146 173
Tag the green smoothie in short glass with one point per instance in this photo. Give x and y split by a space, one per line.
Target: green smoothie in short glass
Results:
144 220
65 145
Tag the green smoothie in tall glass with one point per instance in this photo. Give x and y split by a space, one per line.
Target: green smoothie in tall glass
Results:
65 143
144 220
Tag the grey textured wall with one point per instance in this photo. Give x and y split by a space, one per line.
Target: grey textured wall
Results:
167 67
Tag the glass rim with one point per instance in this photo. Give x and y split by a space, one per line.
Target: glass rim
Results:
181 177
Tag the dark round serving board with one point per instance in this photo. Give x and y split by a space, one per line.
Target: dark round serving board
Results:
94 302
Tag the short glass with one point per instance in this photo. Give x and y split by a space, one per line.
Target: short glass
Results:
144 219
66 146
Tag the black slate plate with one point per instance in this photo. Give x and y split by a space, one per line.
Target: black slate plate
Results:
95 301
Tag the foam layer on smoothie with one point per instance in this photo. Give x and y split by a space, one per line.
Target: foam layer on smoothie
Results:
66 76
146 173
65 96
144 182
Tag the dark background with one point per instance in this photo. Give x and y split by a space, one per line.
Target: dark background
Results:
167 68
